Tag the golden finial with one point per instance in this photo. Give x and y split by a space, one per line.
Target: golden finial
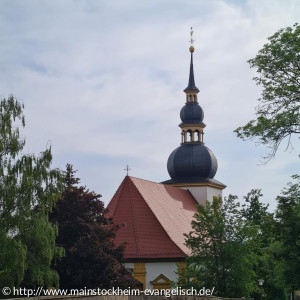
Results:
192 49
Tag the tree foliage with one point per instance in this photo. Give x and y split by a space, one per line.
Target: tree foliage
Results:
221 250
288 235
262 221
92 259
28 190
233 246
278 112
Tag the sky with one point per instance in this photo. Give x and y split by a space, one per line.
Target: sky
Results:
102 83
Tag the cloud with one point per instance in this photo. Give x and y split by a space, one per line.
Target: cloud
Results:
103 80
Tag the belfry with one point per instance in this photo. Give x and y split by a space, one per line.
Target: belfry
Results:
157 215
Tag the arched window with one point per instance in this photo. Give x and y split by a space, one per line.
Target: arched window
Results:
184 136
197 135
189 135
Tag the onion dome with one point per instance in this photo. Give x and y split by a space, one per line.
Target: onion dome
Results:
190 162
192 113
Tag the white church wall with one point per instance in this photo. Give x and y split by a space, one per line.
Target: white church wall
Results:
156 268
129 265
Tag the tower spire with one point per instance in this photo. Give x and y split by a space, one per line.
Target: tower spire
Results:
191 85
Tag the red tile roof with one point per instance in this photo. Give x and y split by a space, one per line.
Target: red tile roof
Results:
155 216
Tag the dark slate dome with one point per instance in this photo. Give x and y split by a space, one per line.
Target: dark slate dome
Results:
191 162
192 113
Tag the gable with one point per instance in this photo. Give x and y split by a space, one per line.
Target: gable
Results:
154 215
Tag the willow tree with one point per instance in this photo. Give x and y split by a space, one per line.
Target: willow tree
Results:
28 190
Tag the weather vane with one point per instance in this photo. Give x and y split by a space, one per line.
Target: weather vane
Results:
191 40
127 169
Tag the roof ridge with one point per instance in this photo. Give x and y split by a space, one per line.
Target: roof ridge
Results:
160 183
144 180
133 215
115 194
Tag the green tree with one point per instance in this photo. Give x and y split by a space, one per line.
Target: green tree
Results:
92 259
278 112
263 223
221 247
277 241
287 245
28 190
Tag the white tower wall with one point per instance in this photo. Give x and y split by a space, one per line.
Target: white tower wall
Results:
203 193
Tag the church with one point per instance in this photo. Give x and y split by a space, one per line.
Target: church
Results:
156 215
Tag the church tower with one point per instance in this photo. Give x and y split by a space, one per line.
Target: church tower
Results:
157 215
192 166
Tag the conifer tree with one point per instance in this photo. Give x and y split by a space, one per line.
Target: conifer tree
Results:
92 259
